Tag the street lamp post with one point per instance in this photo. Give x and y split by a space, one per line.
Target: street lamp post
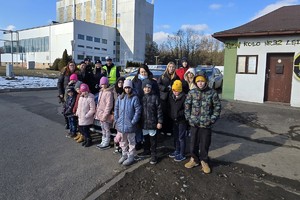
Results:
156 57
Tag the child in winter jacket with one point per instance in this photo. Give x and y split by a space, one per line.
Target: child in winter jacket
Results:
85 112
104 111
127 114
68 111
176 113
202 109
152 119
79 138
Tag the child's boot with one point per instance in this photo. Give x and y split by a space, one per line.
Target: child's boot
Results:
106 144
129 160
123 158
78 136
88 142
80 139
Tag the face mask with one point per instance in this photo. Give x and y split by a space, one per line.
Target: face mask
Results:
141 77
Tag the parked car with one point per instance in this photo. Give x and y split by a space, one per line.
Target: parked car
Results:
215 77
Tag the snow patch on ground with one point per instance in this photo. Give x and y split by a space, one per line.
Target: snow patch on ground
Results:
27 82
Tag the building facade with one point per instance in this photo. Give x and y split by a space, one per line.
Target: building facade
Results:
86 28
132 18
262 59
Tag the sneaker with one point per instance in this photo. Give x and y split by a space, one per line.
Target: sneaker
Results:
179 158
153 161
205 167
173 155
144 154
105 147
191 164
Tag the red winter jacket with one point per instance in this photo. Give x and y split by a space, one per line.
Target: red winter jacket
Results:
181 71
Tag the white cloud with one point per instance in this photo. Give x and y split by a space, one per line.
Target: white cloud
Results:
215 6
196 27
160 37
10 27
271 7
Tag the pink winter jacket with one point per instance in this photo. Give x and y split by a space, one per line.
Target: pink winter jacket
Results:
105 105
86 110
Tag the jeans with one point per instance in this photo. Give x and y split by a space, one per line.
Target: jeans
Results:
179 131
200 140
72 124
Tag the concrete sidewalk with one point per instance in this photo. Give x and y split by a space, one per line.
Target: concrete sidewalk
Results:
266 136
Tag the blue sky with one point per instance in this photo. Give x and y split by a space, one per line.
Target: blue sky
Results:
206 16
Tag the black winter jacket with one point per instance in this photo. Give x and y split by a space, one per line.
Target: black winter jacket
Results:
165 84
68 107
152 112
176 108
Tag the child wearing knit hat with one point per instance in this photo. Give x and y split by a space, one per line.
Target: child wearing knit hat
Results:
127 114
201 122
104 112
176 112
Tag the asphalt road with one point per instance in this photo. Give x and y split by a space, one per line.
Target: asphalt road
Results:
37 161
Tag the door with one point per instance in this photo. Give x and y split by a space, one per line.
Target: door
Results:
279 74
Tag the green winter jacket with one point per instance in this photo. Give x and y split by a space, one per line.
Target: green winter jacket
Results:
202 107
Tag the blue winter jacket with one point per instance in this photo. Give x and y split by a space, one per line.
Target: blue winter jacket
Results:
127 113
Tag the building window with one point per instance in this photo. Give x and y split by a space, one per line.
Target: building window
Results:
103 49
247 64
104 41
80 46
114 51
80 37
103 59
96 39
96 58
89 38
90 57
114 43
96 48
80 57
89 47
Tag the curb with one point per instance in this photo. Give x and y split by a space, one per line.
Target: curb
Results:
26 89
116 179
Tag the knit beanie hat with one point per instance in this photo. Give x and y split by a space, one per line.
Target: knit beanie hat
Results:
77 85
73 77
200 78
127 83
177 86
84 88
103 81
147 83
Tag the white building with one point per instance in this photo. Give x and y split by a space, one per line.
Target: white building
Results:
86 30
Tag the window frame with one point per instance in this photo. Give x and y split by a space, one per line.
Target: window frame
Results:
243 68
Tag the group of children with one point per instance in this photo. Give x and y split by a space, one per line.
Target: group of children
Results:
120 107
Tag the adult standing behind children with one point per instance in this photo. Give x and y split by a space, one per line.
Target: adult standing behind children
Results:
127 113
184 67
112 71
86 75
99 72
165 82
202 109
188 82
